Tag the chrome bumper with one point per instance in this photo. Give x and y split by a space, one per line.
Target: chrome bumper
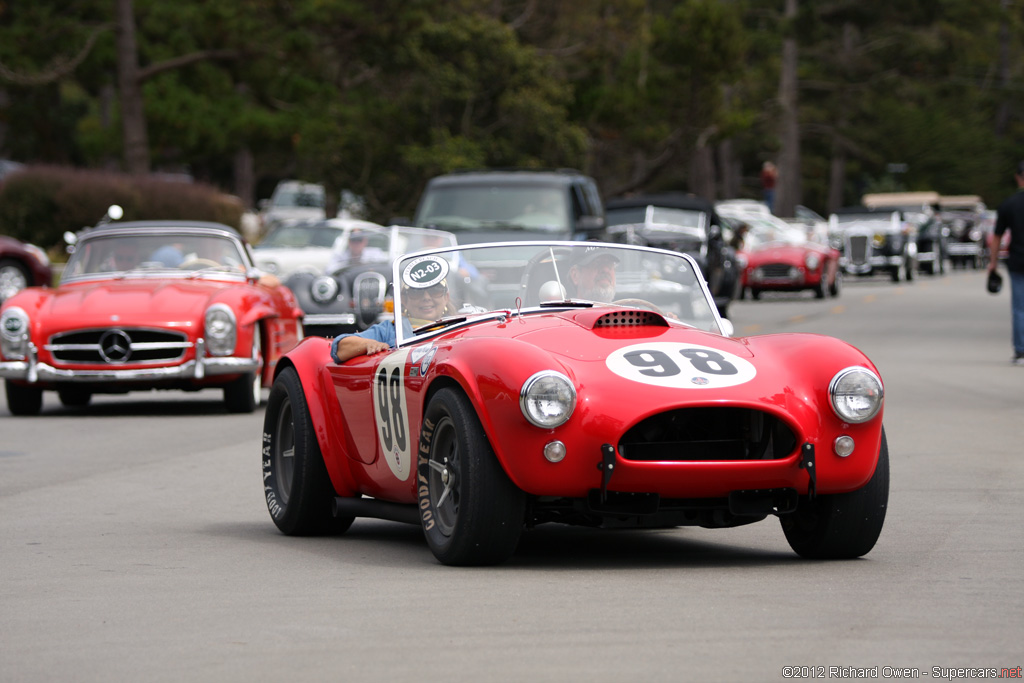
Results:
32 371
329 319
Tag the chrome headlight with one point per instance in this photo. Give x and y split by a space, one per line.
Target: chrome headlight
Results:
547 399
14 333
324 289
856 394
812 261
221 330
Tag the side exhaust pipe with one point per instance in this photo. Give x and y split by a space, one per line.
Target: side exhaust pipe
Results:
377 509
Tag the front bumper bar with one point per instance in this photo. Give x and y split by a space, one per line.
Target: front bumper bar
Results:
32 371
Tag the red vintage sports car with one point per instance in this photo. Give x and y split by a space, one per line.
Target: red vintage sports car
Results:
148 305
581 383
784 260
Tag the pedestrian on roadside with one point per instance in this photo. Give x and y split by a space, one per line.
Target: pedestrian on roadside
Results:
769 175
1010 217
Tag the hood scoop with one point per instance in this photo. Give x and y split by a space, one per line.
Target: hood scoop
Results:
630 318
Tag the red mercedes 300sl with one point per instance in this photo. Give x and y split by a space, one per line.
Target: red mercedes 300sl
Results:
148 305
580 383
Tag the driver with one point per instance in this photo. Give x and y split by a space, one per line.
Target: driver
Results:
420 305
592 273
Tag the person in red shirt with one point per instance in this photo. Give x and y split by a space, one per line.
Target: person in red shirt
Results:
769 174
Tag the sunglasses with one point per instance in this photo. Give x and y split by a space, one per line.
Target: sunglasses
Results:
435 292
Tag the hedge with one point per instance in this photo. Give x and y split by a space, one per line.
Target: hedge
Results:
40 203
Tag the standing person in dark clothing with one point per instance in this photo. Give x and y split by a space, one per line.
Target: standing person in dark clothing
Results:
1010 217
769 174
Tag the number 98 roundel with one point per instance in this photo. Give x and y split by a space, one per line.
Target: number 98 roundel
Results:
680 366
392 414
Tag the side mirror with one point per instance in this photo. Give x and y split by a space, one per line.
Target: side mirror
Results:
115 212
71 238
590 223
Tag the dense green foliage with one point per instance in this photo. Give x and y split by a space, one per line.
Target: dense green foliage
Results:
39 204
379 96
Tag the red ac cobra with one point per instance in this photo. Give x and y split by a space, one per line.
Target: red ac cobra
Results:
580 383
148 305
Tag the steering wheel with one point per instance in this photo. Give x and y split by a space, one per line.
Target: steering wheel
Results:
639 303
193 264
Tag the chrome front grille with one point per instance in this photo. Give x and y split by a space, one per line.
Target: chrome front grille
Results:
118 346
857 249
708 433
368 290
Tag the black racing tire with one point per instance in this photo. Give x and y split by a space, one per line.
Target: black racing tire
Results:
244 394
23 400
755 294
471 512
821 289
74 397
837 284
296 485
841 525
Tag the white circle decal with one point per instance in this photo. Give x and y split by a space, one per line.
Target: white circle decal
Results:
391 413
680 366
425 271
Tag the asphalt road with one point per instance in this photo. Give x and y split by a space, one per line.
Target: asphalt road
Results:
135 545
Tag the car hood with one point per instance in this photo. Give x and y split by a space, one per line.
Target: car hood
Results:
628 372
130 302
778 253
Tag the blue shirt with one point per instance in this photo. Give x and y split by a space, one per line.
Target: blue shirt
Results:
384 331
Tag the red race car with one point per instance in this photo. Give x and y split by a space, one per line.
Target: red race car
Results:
574 382
784 260
148 305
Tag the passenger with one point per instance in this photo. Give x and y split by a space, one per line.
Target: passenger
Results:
353 251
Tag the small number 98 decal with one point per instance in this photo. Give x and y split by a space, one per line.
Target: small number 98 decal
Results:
688 366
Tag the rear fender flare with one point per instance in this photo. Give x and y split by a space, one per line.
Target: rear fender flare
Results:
309 358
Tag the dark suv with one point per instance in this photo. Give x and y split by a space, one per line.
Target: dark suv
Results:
502 205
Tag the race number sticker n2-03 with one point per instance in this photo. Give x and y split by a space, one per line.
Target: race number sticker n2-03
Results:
680 366
392 413
425 271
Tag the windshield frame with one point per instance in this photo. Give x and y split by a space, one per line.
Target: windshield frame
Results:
463 318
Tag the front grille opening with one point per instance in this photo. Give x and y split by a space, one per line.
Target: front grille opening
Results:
858 246
709 433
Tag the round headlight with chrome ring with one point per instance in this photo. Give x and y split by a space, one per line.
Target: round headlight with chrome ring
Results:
14 333
324 289
812 260
856 394
547 399
221 330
